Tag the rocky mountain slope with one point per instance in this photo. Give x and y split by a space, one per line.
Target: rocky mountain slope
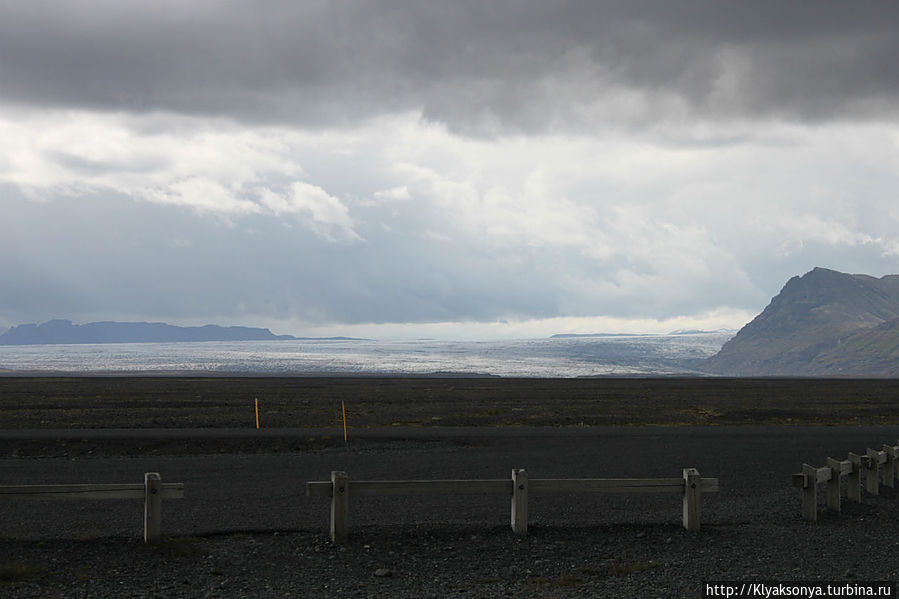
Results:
825 323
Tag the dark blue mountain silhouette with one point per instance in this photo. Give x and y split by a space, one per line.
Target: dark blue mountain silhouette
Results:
63 331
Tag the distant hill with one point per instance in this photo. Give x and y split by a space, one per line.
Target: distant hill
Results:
825 323
577 335
702 332
63 331
677 332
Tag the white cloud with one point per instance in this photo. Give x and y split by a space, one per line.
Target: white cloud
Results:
329 216
400 193
713 320
209 165
201 193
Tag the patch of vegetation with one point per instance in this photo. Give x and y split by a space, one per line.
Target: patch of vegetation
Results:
16 572
626 569
564 580
88 535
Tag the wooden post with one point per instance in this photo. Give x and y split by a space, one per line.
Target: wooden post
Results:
810 493
340 506
520 502
894 452
854 486
888 474
896 461
152 507
833 485
872 483
691 498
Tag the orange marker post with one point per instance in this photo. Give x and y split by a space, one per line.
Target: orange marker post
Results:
257 412
343 405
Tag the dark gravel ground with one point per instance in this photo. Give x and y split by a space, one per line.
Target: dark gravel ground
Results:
287 402
246 529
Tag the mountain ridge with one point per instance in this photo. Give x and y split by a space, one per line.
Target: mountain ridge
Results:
60 331
824 323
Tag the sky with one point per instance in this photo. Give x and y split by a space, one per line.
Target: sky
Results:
421 168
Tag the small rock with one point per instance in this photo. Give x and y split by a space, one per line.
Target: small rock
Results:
640 535
383 573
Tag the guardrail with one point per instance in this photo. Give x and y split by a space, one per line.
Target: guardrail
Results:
874 468
152 491
340 488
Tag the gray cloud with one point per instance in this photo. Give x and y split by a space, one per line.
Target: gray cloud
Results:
477 66
667 168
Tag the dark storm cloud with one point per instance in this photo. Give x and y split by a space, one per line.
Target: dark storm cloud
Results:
477 66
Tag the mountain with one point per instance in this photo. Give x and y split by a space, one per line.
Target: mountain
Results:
63 331
824 323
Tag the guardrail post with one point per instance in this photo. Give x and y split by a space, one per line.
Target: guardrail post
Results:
896 461
340 506
691 498
872 483
854 486
833 485
810 493
888 474
520 502
152 507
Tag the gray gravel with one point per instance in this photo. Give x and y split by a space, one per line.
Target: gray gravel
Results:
246 529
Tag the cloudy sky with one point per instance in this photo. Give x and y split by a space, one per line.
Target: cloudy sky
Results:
452 169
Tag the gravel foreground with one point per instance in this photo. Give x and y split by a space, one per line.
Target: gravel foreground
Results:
245 528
